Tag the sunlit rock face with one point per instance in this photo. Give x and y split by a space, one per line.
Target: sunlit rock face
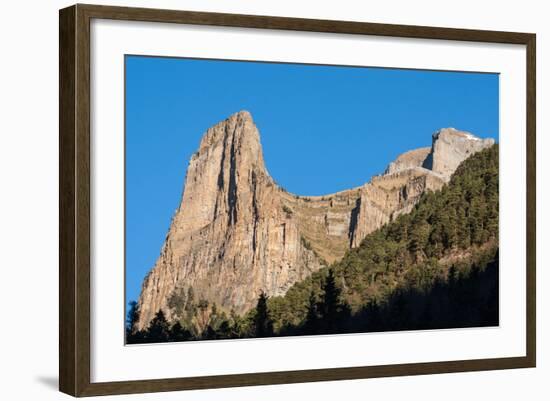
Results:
236 232
450 147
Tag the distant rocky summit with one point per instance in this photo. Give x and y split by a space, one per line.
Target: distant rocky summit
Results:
236 232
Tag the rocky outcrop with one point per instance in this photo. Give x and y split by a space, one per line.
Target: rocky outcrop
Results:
450 147
408 160
388 196
236 232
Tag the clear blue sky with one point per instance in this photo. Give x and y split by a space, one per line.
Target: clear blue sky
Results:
323 128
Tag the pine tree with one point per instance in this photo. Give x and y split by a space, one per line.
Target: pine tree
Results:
132 317
331 296
262 321
133 335
332 311
179 333
224 330
159 329
311 322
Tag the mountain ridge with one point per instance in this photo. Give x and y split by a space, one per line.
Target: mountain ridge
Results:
236 232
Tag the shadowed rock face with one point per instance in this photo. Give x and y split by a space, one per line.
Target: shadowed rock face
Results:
236 232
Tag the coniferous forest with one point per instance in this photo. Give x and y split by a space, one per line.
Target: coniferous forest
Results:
436 267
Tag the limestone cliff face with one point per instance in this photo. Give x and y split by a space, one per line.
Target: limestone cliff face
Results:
450 147
236 232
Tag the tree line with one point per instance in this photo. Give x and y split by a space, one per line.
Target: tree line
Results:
325 315
462 300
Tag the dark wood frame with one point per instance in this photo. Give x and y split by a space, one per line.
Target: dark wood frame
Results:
74 199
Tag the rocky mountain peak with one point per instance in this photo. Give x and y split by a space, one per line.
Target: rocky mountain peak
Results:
239 131
450 147
236 233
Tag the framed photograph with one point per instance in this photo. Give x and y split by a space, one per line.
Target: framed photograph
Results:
250 200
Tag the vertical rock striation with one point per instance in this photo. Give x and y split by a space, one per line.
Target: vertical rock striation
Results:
237 233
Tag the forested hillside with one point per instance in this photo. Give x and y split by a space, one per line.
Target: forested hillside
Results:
436 267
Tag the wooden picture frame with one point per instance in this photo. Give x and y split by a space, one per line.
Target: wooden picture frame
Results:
74 201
